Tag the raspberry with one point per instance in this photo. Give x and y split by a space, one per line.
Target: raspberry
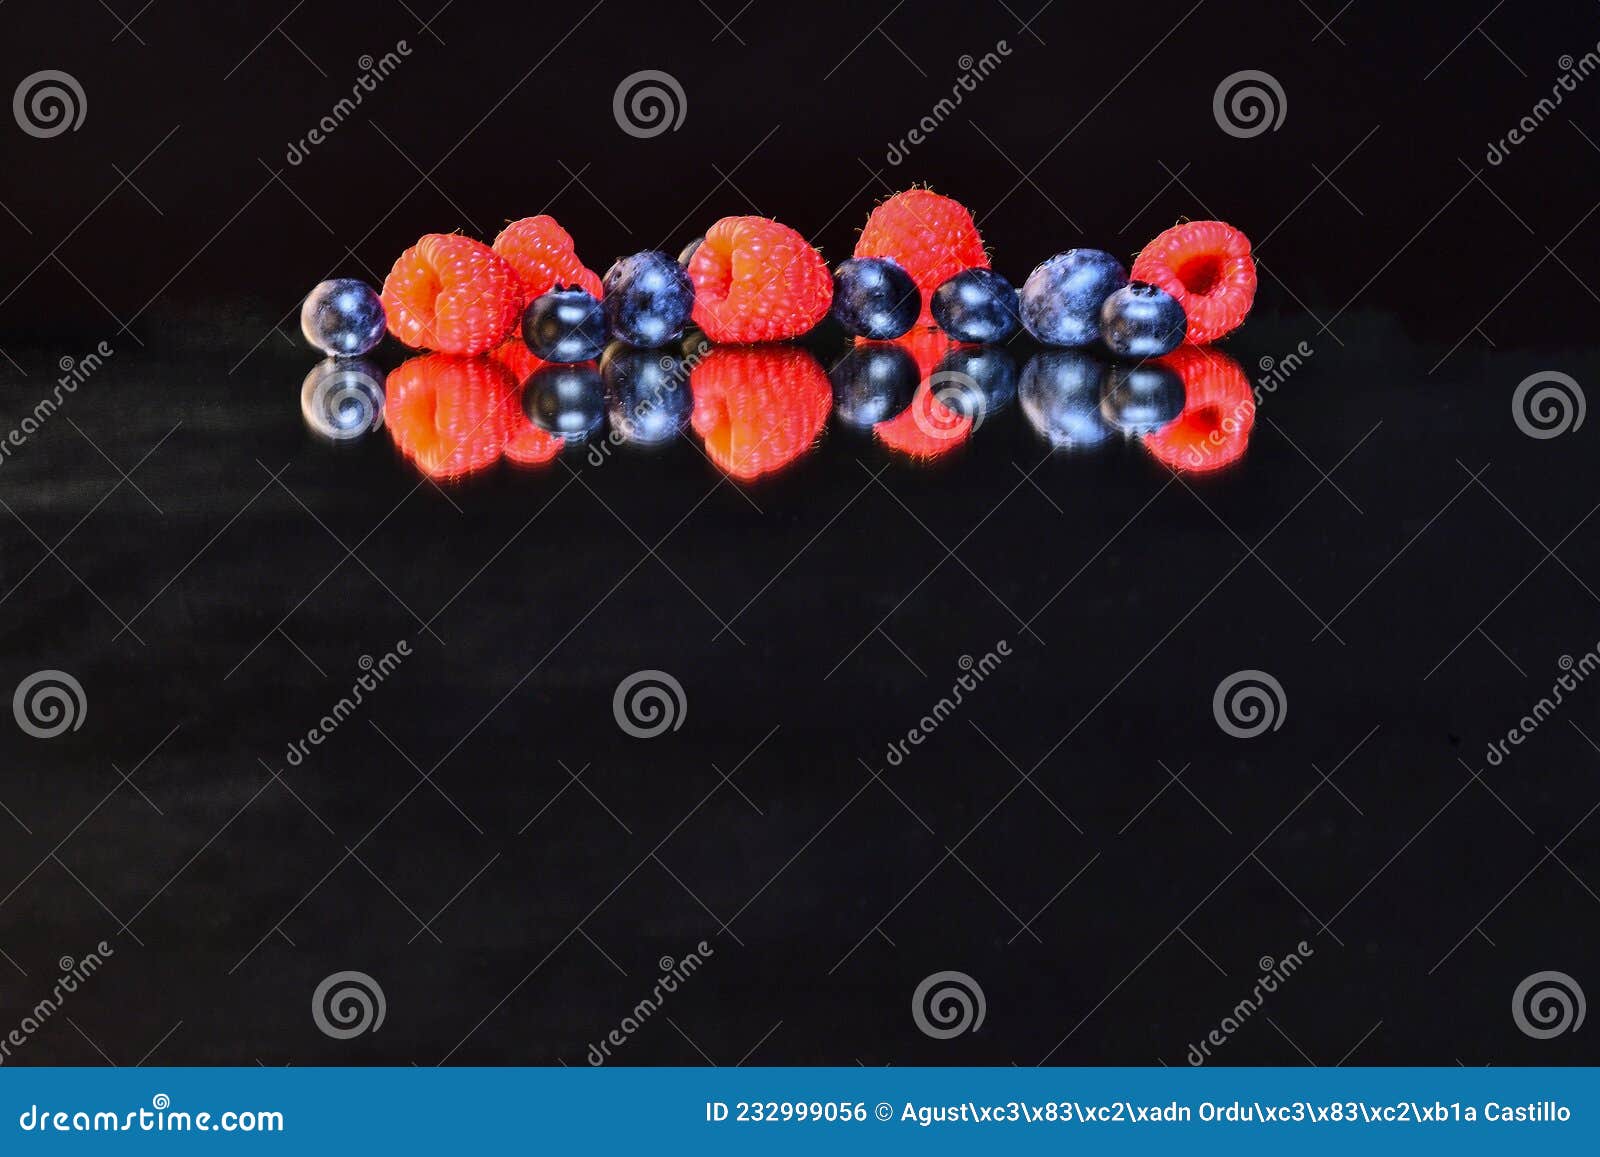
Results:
452 294
1207 266
932 237
757 280
542 253
519 361
449 414
526 444
758 409
1219 409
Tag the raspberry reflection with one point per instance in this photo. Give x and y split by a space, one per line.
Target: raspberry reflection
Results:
1219 410
450 415
758 408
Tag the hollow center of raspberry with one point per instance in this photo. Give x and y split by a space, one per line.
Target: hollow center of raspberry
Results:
714 277
1200 274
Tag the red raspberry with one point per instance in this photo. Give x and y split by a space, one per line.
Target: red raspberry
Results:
932 237
758 409
449 414
1218 411
452 294
543 255
520 361
756 280
927 427
1207 266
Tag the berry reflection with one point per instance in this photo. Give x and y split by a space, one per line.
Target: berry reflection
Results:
1219 410
758 408
456 416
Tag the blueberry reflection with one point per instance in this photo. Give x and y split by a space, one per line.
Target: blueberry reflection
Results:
1140 399
1218 412
758 408
647 392
568 400
341 399
451 416
1060 395
975 380
873 382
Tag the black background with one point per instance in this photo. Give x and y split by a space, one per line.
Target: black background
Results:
1387 493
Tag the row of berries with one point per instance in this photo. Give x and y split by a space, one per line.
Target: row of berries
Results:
919 261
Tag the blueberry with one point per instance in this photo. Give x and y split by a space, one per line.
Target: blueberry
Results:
649 394
342 399
569 400
975 382
1141 399
1141 321
1061 299
976 305
343 318
648 299
565 325
1060 396
874 297
686 254
872 383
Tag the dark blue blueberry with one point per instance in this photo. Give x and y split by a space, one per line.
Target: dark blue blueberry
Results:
565 325
569 400
648 299
1140 399
1141 321
976 305
976 381
874 297
686 255
872 383
1061 299
343 318
1060 396
648 391
342 399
